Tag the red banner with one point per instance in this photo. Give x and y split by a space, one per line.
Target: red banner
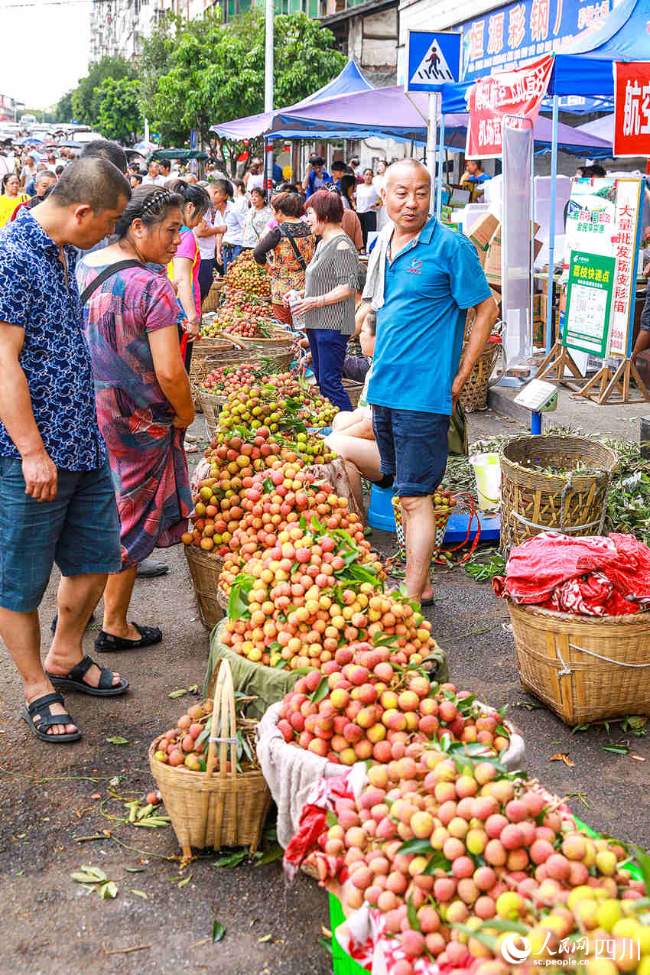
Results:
518 92
632 108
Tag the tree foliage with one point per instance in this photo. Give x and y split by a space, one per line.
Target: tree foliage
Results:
63 111
118 115
216 73
85 104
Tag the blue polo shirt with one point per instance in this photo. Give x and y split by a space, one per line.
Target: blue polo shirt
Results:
429 285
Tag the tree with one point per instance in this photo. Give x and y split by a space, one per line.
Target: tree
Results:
118 109
216 73
63 110
85 107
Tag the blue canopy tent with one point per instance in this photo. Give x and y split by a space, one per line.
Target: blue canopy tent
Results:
351 79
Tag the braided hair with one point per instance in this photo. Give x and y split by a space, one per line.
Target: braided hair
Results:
193 194
150 204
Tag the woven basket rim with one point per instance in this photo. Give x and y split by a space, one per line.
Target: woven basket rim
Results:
199 777
628 619
200 553
581 443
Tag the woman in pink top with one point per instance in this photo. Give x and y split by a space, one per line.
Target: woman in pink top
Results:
184 269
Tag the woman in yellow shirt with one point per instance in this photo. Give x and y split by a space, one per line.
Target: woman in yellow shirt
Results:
10 198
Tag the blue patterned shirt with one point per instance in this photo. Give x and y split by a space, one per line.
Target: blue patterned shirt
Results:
34 295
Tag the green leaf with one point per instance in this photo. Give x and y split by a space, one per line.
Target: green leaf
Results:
238 599
181 692
331 818
117 740
487 940
321 691
270 856
205 734
184 882
218 932
465 705
231 859
384 641
325 943
280 664
437 862
108 891
91 875
135 869
412 915
139 893
617 749
501 924
415 846
643 860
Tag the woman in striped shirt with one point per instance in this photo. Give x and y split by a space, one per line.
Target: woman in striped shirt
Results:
331 283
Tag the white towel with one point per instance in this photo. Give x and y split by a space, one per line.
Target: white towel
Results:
374 289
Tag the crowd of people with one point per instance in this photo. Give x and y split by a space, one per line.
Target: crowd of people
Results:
103 272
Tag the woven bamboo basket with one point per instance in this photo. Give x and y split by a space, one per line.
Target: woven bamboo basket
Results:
440 519
533 501
203 355
354 390
219 807
280 339
211 405
474 395
205 570
213 296
584 668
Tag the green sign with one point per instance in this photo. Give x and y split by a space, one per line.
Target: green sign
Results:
589 302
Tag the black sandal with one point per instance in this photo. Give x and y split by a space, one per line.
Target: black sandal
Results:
73 680
149 636
42 708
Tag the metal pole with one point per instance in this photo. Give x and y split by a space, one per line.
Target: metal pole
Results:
441 155
432 122
551 230
268 91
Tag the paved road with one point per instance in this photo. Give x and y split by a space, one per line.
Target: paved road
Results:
52 927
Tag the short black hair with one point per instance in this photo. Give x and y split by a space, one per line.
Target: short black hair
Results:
93 181
165 164
105 149
317 160
339 166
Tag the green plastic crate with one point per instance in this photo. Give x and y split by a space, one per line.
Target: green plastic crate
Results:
342 964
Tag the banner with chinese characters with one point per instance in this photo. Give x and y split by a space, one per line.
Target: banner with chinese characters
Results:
632 108
603 221
589 302
517 93
516 32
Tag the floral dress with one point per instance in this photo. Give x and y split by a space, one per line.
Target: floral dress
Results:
286 267
145 451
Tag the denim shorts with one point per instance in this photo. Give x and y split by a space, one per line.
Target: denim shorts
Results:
79 531
413 447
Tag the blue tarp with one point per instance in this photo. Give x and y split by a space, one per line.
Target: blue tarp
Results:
350 80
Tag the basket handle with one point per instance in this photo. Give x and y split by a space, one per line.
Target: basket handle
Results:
566 670
224 719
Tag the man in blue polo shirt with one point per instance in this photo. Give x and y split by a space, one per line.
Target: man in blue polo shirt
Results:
422 279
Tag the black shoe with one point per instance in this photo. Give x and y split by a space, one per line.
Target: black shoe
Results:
150 569
149 637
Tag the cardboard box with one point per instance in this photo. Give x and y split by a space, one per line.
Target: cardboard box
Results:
481 234
493 259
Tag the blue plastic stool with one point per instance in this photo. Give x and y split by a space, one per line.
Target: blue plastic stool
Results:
380 511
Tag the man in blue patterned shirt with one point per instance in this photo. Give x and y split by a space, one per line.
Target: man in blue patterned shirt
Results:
57 503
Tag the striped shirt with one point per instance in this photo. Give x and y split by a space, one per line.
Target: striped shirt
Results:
335 263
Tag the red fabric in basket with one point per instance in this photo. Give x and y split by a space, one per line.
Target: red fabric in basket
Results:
591 576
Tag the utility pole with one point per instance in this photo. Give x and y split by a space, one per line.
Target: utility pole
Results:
268 93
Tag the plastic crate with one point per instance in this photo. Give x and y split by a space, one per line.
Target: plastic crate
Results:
342 964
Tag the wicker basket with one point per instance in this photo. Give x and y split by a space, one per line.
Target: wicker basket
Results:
213 296
474 395
354 390
205 570
280 339
584 668
213 809
211 405
533 501
440 520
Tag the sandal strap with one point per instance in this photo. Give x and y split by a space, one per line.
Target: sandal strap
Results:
80 670
42 703
105 678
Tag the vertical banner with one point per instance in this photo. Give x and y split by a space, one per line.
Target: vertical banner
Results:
518 92
603 219
632 108
516 256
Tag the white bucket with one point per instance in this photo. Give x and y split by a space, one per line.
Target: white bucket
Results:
487 471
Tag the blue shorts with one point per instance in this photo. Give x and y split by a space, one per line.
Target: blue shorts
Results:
413 447
79 531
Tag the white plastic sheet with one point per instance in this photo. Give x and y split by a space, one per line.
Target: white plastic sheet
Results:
516 265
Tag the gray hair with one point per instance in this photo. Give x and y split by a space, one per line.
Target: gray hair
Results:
92 181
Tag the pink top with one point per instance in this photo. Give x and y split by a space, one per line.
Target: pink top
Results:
189 249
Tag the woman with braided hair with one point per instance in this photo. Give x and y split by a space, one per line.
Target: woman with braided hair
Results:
142 391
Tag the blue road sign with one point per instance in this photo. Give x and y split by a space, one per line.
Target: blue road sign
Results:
433 59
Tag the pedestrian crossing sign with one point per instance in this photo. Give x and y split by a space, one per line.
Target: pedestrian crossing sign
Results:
433 59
